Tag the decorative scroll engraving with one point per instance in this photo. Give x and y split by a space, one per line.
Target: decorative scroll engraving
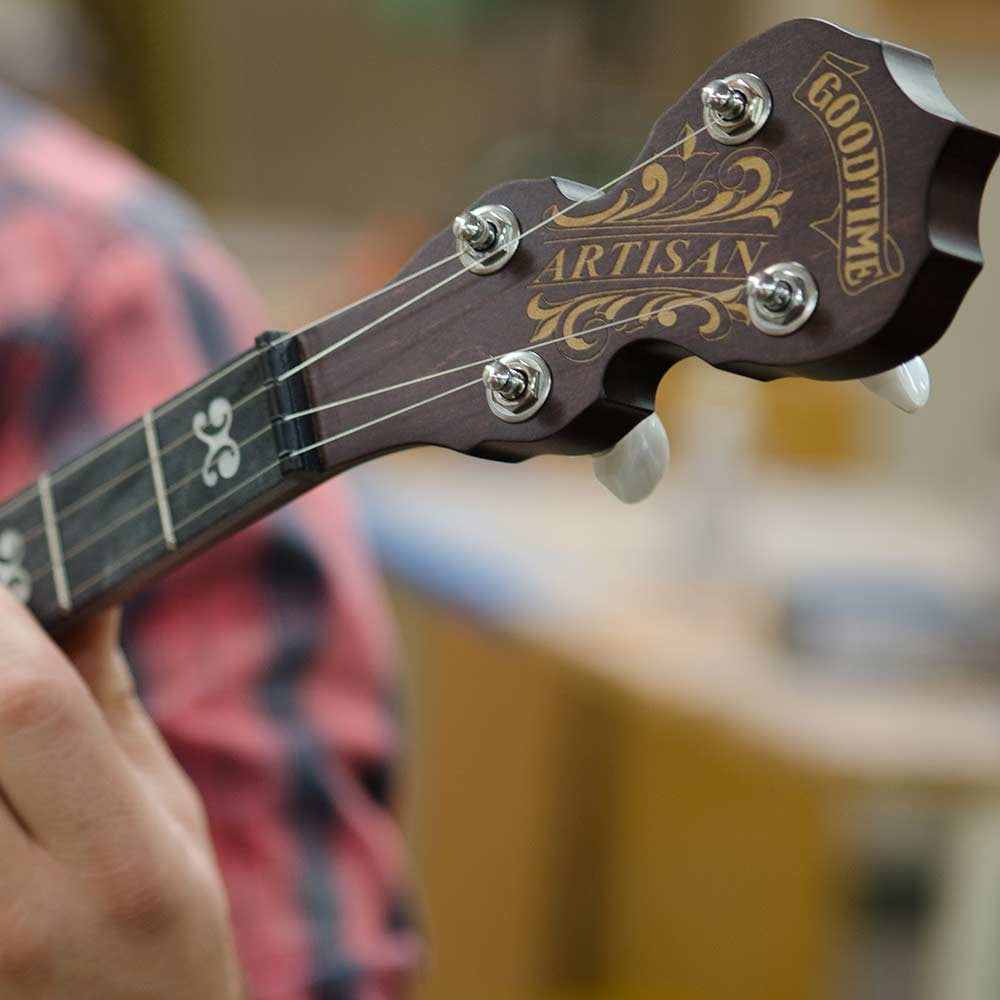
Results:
692 186
637 307
682 238
213 430
13 575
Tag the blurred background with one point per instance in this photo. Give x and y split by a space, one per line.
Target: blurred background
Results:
742 740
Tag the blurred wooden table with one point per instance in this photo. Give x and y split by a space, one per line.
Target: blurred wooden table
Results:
620 785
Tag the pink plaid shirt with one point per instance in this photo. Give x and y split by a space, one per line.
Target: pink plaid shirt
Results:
267 662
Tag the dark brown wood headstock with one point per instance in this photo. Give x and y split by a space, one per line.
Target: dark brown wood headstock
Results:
862 176
864 173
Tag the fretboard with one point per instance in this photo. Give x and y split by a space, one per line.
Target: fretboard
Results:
190 471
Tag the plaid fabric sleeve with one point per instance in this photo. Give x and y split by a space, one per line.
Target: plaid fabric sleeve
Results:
267 661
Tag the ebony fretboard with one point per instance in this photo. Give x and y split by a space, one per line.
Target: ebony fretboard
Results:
203 464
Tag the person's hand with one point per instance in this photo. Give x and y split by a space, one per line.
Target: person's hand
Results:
108 884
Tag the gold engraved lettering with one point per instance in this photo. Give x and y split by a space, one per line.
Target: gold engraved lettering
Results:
680 239
647 260
747 261
590 254
676 263
624 251
707 260
867 254
554 270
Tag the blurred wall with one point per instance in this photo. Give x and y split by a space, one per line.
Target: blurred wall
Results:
348 112
348 108
327 138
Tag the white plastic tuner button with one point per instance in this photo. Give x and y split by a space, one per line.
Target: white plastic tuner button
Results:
636 464
908 386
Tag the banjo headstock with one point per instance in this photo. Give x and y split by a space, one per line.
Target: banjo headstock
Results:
809 207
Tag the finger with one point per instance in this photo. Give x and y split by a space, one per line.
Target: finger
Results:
23 886
95 652
15 843
92 649
61 769
16 848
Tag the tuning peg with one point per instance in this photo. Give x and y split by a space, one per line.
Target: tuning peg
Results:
907 386
633 467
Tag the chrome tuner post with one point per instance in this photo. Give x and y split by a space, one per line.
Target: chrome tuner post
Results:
486 238
477 232
735 107
517 385
781 298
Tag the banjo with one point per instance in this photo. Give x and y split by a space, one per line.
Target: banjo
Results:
808 208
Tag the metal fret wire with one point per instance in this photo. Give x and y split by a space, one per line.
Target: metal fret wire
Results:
46 568
82 502
17 502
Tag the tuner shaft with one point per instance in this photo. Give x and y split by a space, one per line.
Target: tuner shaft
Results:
517 385
735 108
480 234
510 383
781 298
486 238
729 104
